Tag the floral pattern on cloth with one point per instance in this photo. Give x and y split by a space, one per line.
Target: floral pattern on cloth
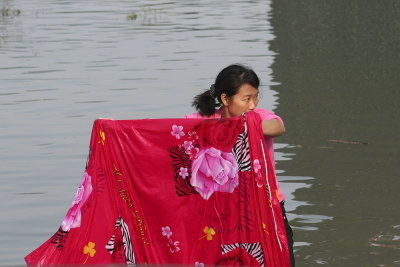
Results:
209 233
74 214
259 177
102 137
183 172
143 173
214 170
182 156
204 171
173 245
89 250
177 131
166 231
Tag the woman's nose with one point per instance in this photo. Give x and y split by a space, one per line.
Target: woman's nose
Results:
252 105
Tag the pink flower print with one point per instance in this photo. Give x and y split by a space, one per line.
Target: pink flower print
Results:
188 145
256 165
193 153
259 180
166 231
73 217
193 135
184 172
198 264
177 131
173 246
214 170
190 149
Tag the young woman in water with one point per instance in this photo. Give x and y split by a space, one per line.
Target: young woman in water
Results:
234 92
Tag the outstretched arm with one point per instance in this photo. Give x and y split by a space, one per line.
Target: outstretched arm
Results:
273 128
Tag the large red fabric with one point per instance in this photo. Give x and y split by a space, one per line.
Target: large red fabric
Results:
173 191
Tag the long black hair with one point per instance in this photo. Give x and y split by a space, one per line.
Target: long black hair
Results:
228 82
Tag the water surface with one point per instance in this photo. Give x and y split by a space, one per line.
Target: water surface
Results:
338 66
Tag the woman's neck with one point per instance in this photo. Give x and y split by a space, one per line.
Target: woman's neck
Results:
225 113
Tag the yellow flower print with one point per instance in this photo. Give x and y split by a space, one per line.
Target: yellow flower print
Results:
264 227
103 137
89 250
277 194
209 232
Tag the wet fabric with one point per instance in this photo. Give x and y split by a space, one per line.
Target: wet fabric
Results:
173 191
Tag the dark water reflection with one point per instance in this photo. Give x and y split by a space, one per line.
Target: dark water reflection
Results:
338 66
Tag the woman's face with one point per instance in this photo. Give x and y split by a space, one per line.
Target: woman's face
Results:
245 100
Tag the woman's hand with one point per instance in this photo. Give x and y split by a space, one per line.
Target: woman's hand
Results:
273 128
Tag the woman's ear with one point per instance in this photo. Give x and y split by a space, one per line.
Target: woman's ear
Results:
225 99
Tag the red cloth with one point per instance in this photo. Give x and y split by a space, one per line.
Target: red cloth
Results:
173 191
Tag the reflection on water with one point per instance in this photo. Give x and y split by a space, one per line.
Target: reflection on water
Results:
289 185
336 69
301 221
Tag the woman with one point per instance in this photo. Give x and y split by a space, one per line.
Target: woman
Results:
236 92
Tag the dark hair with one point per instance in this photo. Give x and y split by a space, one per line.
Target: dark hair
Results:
228 82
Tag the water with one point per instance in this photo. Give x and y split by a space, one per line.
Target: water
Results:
330 69
338 65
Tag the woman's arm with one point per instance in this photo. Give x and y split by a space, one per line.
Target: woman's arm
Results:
273 128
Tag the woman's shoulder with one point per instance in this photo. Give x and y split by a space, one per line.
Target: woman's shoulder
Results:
267 115
193 116
197 115
263 112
